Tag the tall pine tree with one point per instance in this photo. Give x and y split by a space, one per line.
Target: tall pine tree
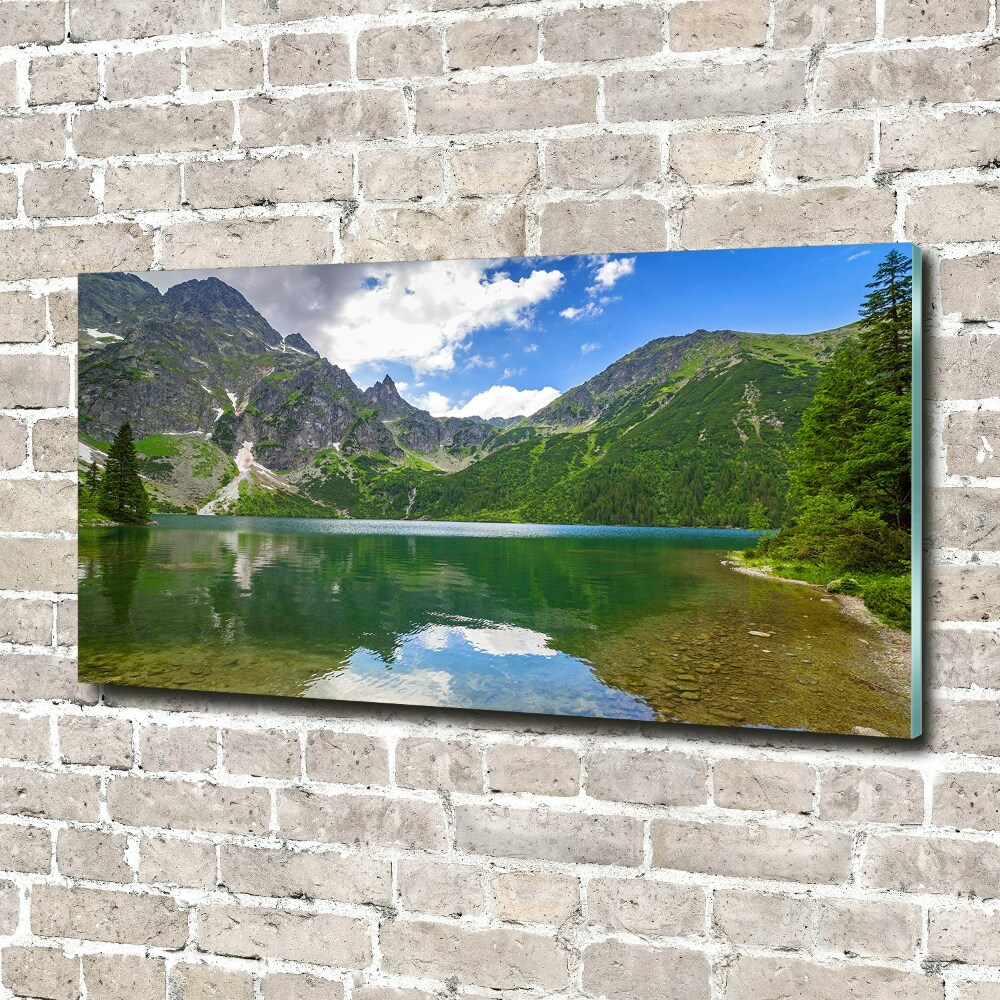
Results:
123 497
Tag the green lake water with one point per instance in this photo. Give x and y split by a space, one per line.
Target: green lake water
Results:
632 623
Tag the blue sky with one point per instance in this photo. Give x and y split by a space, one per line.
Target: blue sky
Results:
496 338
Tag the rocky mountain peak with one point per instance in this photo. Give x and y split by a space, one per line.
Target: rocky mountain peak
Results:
213 301
296 342
385 397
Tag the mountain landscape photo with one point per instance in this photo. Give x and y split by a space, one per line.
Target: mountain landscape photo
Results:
577 393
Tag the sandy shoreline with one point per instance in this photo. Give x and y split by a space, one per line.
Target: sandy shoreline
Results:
894 663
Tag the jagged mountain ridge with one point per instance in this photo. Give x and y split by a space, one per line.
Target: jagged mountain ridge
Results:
682 430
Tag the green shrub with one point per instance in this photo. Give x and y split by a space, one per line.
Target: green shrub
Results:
889 598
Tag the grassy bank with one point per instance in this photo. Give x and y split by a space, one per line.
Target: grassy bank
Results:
885 595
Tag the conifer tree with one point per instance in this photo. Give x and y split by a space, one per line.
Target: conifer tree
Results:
123 498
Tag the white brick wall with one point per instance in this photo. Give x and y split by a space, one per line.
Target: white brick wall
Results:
176 847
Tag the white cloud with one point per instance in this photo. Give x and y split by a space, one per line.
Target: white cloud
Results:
505 401
422 313
610 272
586 311
588 347
512 372
860 253
530 348
435 403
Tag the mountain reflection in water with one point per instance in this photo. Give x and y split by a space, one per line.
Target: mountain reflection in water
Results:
638 623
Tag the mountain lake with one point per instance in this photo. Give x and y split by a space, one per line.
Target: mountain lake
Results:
625 623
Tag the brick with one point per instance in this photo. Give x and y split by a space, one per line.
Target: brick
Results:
506 104
535 897
13 443
963 593
91 20
413 50
391 993
548 835
33 138
94 855
96 740
448 890
938 865
235 66
509 41
123 977
933 142
25 621
298 986
953 213
144 74
766 978
347 758
114 917
42 505
534 769
63 316
166 861
317 177
920 18
462 230
646 906
621 970
517 959
255 12
487 170
9 97
181 805
53 445
823 152
30 22
42 973
346 877
752 851
25 849
958 727
807 216
265 753
178 748
439 764
401 174
869 928
963 517
700 25
169 129
976 990
142 187
237 242
969 801
809 22
603 161
67 623
206 982
957 658
620 226
67 250
762 919
8 196
10 908
896 77
963 367
707 91
26 677
60 193
971 286
658 778
364 819
783 786
293 935
63 79
962 934
596 34
23 318
49 795
303 60
871 795
972 443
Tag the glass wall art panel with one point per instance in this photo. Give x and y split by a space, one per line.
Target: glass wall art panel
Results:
675 487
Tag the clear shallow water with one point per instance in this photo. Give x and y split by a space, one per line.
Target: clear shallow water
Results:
637 623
